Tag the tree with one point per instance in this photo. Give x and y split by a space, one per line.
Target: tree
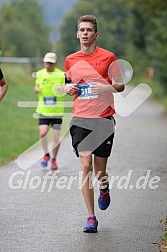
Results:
156 46
150 34
113 26
23 32
135 30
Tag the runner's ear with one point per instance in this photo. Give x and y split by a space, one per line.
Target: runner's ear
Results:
96 35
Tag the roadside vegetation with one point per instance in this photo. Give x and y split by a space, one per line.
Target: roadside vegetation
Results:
159 93
163 243
18 128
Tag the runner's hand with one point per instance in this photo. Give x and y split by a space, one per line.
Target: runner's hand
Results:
71 89
97 88
36 89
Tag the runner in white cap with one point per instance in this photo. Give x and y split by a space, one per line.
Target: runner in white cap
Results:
49 85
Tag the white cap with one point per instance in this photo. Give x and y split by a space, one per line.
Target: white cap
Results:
50 57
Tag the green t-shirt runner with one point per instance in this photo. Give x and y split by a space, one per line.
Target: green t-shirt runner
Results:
50 99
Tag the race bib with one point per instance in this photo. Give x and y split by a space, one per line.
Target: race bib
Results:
49 101
85 91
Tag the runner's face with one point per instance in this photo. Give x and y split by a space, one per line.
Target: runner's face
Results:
86 33
49 66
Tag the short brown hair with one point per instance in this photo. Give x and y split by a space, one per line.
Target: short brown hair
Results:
89 18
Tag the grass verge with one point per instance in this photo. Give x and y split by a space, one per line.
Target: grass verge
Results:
163 243
18 128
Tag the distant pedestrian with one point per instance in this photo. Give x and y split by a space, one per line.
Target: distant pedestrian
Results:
49 86
92 125
3 85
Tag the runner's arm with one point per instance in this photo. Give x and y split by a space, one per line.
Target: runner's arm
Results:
70 88
117 87
36 89
4 86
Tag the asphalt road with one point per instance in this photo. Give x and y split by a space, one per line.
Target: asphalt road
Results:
38 215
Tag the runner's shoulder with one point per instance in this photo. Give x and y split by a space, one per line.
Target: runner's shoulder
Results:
106 53
73 55
41 71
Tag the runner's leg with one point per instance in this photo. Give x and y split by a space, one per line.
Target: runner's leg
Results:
100 169
43 130
87 188
56 142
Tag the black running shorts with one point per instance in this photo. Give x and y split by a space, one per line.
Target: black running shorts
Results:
1 75
55 122
93 134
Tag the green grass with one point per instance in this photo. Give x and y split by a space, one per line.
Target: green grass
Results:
18 128
163 243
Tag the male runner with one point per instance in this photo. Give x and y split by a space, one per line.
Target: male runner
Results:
90 71
49 86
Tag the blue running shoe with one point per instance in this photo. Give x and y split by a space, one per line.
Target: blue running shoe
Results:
91 225
45 160
104 199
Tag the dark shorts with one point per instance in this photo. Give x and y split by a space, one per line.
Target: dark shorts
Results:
1 75
55 122
93 134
